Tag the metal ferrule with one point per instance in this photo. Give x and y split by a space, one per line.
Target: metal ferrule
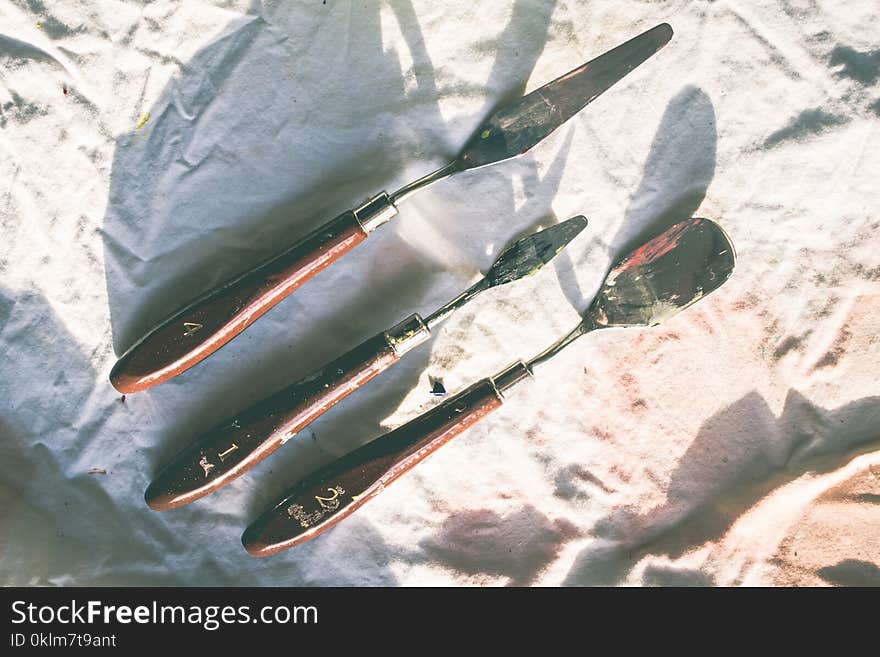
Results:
509 378
375 212
407 335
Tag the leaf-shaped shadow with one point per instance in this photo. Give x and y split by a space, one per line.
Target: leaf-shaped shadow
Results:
677 173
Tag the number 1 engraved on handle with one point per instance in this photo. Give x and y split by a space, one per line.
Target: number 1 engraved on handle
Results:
227 452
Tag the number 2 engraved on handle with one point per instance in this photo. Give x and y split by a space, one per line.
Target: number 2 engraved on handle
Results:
330 503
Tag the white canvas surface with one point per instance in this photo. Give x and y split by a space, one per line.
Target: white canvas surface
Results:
151 150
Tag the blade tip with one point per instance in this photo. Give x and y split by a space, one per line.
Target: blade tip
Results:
581 221
576 225
569 229
665 32
723 233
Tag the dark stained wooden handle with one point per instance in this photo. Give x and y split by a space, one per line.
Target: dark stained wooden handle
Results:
234 447
206 324
334 492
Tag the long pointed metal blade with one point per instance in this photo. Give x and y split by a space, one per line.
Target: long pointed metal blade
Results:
527 255
514 129
665 275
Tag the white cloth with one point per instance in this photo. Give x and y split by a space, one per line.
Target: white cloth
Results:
150 151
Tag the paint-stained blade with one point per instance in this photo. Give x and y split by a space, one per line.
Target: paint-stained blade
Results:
527 255
665 275
517 127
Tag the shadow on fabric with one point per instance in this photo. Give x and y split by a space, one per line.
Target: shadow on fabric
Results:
728 469
270 130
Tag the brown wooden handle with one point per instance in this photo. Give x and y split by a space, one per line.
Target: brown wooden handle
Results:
234 447
206 324
333 493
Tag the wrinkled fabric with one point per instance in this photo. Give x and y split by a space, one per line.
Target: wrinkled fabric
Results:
150 151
